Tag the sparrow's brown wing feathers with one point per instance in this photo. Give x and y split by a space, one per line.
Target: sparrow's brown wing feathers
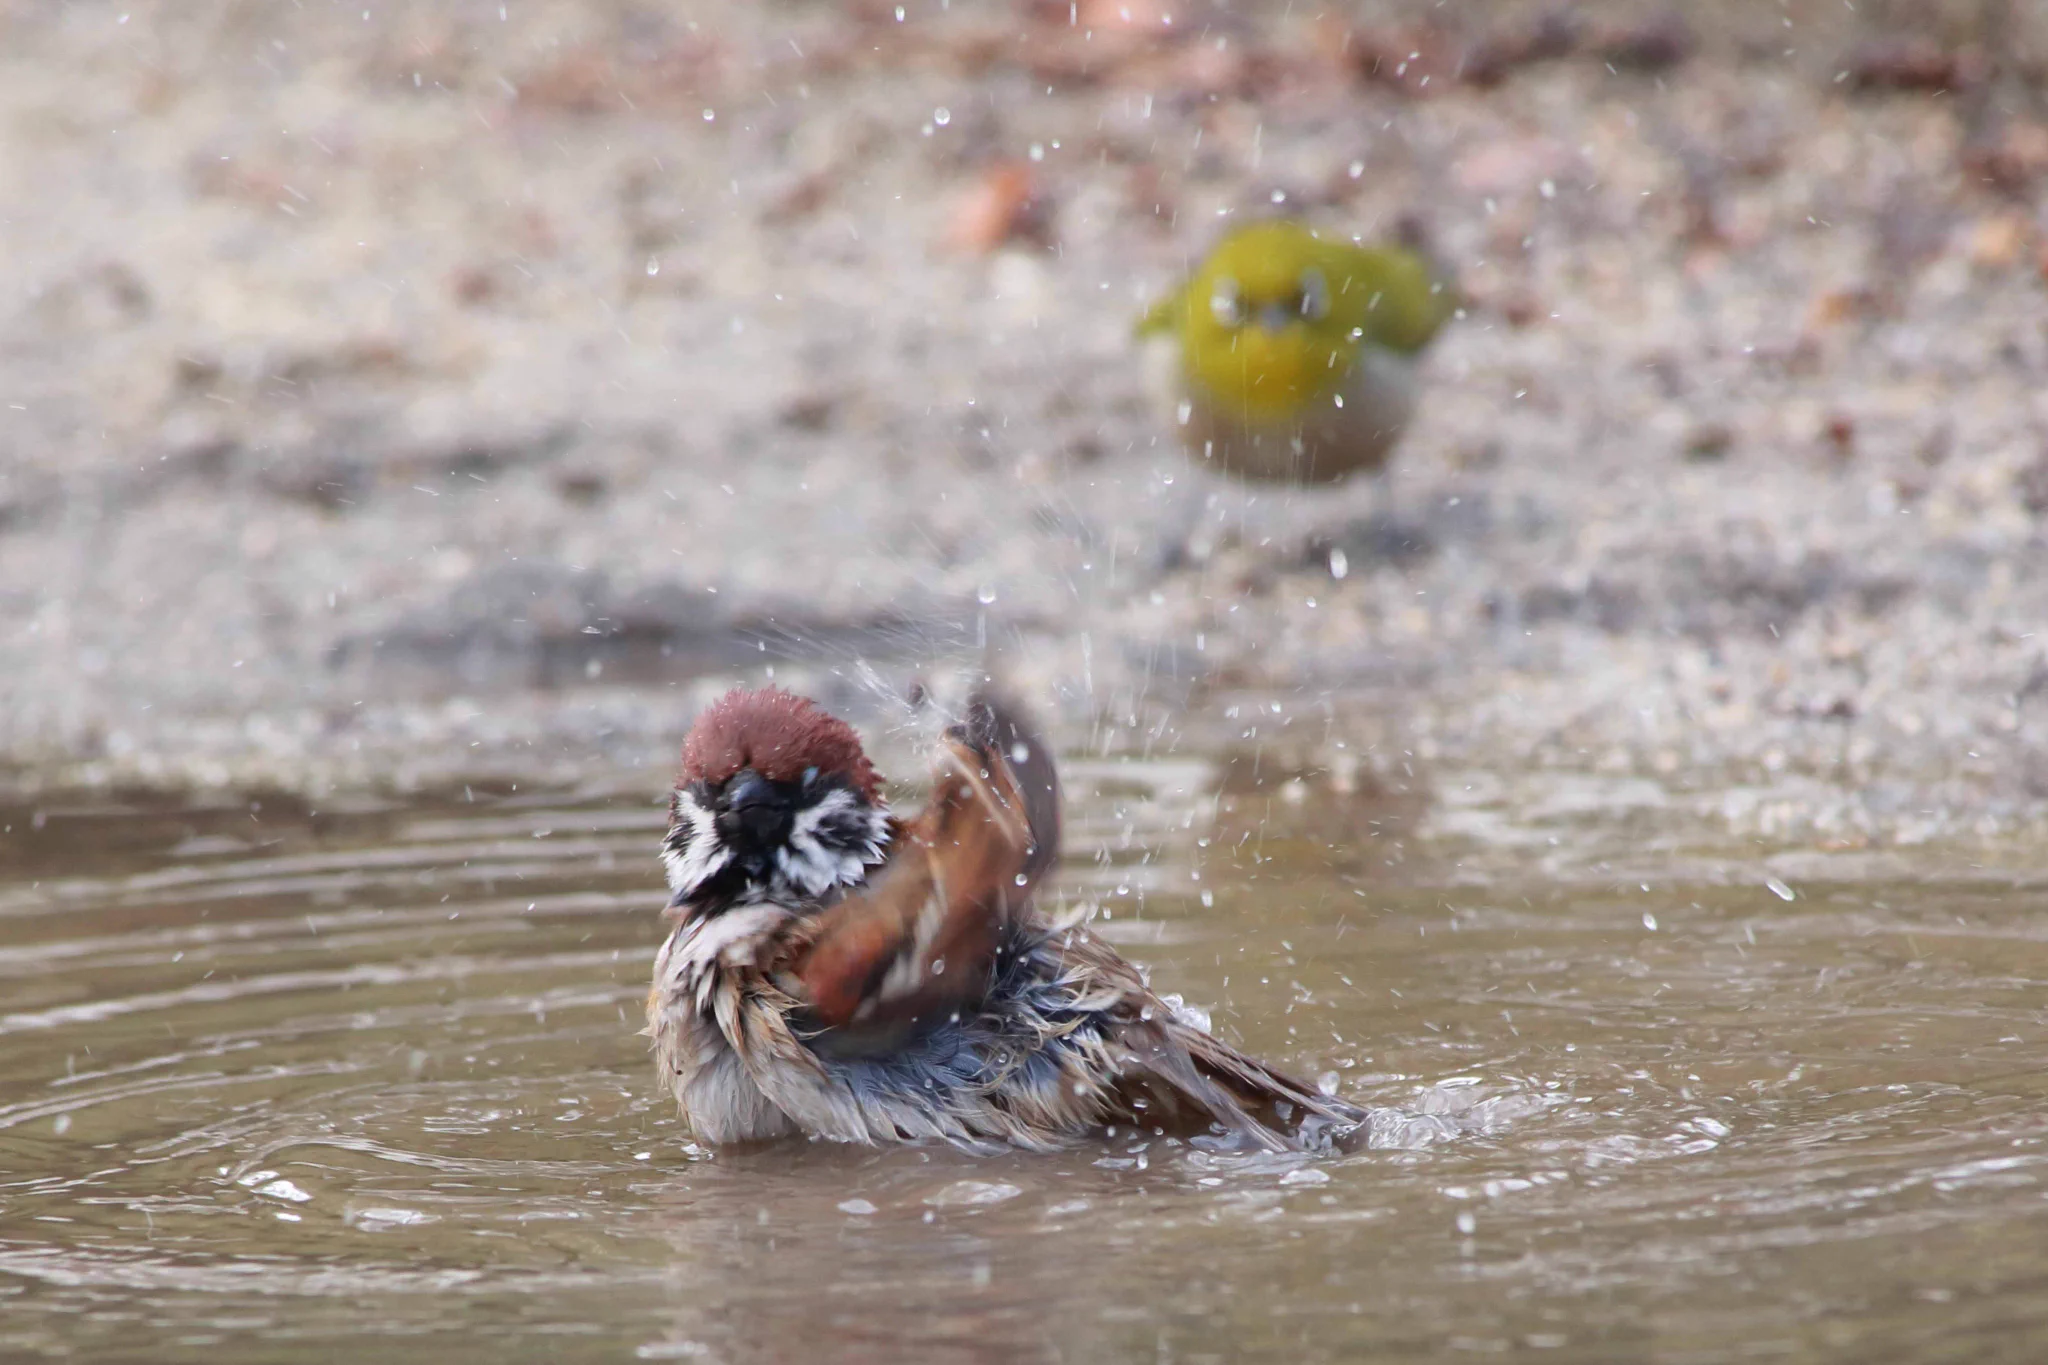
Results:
992 728
924 937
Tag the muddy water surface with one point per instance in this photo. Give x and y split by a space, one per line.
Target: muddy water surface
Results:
274 1082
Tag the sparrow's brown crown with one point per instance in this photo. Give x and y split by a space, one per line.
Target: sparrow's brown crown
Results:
777 734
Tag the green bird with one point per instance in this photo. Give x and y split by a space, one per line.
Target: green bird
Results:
1292 355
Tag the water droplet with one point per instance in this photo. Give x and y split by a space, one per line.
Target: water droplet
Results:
653 265
1356 169
985 594
1649 921
1778 888
1185 412
942 116
1279 196
1038 151
1340 563
899 14
1339 399
1467 1224
710 115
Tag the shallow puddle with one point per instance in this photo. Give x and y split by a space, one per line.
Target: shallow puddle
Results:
272 1080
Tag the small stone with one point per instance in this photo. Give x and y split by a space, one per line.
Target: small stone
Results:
1709 441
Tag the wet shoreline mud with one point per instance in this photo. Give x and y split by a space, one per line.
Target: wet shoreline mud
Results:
450 400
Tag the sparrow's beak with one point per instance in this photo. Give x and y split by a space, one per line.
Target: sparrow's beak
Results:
756 817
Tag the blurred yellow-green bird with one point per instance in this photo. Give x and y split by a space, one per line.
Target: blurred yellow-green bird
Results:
1290 354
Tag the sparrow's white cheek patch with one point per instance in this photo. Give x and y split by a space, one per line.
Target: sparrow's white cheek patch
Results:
832 843
692 852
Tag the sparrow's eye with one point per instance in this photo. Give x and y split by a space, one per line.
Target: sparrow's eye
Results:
1315 294
1226 303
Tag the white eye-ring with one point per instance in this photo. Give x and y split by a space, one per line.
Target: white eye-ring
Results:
1315 294
1226 303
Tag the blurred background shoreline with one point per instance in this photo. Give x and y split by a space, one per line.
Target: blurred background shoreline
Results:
459 394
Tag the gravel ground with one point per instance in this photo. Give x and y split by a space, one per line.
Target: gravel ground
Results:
409 396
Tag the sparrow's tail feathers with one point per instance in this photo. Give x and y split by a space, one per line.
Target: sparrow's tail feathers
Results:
1301 1113
1174 1074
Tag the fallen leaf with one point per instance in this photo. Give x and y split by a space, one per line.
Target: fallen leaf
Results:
1005 204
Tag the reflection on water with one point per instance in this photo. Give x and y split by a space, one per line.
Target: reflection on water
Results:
269 1076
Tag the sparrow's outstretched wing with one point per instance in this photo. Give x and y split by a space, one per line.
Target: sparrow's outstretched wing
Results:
923 938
